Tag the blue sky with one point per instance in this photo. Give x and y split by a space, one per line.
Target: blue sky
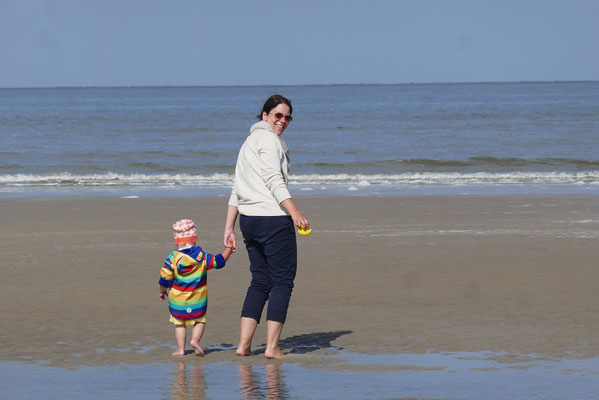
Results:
253 42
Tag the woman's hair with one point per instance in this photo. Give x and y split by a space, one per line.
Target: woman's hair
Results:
274 101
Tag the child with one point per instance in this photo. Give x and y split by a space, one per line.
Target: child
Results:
184 277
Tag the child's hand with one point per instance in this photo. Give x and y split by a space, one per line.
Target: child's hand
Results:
162 296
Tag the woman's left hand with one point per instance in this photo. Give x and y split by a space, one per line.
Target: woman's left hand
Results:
296 215
299 220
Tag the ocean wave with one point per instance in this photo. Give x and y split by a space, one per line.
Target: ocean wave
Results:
111 179
562 163
467 165
455 178
221 179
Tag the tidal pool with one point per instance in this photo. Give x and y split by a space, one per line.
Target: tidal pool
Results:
343 375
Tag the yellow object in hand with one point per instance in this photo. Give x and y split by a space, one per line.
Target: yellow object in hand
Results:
304 232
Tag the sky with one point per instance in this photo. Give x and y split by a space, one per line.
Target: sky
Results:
49 43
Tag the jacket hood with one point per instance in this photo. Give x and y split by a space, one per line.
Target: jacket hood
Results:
261 125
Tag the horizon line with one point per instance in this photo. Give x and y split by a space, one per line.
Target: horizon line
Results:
293 85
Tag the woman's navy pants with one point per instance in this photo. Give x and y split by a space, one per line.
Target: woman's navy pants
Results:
271 247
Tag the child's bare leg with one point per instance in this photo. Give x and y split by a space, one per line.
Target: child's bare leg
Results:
180 337
248 327
196 335
273 334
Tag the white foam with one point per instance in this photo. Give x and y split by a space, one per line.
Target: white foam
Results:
590 178
452 178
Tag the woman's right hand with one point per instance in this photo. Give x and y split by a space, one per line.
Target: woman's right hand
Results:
229 237
229 240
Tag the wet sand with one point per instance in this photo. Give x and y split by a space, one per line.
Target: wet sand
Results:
517 274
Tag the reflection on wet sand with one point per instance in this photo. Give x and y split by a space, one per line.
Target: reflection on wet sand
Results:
257 382
184 388
252 388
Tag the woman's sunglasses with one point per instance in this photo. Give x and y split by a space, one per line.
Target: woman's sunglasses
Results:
279 115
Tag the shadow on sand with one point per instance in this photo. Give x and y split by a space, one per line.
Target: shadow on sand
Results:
308 342
298 344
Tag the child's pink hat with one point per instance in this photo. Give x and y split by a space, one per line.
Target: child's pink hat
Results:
185 231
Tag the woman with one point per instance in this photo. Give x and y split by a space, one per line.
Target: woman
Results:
268 215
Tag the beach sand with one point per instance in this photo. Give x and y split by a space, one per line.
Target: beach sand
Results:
410 274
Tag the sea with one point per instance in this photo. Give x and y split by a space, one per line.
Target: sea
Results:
452 138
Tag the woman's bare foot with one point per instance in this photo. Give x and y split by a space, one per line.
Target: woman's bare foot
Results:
197 349
246 333
178 353
273 353
243 351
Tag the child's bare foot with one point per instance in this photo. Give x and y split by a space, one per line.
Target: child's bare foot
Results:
273 353
243 351
197 349
178 353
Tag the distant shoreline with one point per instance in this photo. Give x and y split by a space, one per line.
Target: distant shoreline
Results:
178 191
